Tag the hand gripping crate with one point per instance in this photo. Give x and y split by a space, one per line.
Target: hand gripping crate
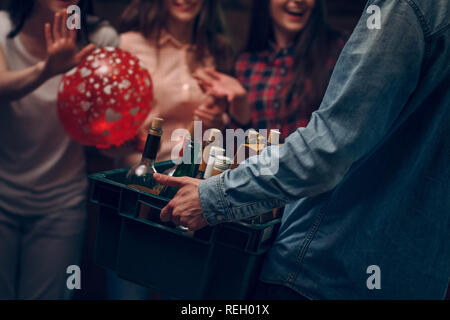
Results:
221 262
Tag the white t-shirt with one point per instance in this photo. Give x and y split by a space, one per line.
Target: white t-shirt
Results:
41 168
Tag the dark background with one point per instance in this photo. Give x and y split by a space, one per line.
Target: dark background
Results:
343 14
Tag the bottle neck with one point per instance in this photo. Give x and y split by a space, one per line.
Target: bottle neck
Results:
151 147
148 162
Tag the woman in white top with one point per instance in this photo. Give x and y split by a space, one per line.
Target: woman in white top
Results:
43 181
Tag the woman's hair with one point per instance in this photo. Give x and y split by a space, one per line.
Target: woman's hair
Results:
312 47
149 17
21 10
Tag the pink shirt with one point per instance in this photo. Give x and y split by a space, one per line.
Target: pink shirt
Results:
176 93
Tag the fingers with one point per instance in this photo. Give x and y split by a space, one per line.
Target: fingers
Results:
206 74
73 32
204 85
207 115
85 52
63 25
212 73
166 212
203 81
56 26
48 35
169 181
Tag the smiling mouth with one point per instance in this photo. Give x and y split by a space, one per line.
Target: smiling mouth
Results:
296 13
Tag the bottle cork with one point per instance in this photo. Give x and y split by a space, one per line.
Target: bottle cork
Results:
156 128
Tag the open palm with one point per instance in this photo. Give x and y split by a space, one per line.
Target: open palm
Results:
62 51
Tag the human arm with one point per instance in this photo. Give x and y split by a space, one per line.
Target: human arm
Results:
62 55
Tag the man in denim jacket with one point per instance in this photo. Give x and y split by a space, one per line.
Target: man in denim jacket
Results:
367 182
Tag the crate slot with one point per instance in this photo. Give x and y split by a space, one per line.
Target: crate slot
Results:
153 201
128 201
106 194
146 211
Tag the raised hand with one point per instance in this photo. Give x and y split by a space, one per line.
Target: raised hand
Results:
219 84
225 88
62 51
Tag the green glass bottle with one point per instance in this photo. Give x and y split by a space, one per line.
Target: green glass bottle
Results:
190 160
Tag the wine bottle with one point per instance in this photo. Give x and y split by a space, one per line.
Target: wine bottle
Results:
206 152
140 176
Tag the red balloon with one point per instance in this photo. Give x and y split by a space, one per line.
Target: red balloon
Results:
105 99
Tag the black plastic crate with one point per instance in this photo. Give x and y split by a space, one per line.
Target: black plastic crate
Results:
222 262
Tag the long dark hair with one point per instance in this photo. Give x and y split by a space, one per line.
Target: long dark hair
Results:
149 17
311 52
20 11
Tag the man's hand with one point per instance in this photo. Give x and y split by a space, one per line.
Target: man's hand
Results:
184 209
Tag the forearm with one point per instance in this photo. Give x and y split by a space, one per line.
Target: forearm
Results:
17 84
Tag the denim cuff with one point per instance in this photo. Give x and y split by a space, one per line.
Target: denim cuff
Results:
213 202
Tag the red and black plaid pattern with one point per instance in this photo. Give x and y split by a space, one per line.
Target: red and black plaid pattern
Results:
266 76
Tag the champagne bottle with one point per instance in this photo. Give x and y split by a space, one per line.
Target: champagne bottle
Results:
206 152
140 176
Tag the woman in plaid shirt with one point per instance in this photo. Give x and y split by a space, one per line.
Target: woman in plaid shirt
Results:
284 72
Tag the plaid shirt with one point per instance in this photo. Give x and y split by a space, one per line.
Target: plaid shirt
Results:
266 75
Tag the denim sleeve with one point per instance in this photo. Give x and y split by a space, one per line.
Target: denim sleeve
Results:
373 79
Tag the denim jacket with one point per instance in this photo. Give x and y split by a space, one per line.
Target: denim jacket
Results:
367 182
